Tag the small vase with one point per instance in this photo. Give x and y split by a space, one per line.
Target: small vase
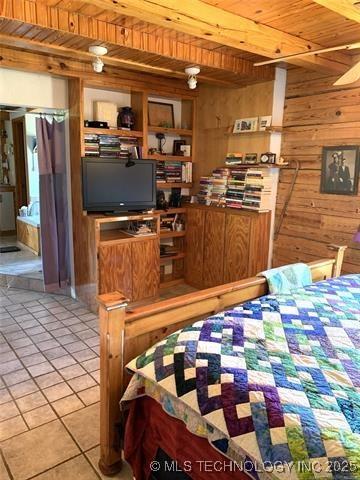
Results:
126 118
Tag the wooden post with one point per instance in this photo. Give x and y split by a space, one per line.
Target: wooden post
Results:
112 329
339 258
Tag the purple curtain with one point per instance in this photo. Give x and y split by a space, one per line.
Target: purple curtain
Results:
53 204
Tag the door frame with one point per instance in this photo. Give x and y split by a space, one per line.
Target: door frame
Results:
20 158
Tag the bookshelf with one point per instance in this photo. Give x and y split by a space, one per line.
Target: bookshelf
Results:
113 132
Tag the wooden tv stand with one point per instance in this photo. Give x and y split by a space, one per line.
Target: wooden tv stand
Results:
217 245
120 261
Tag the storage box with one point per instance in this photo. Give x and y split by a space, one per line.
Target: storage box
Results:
106 112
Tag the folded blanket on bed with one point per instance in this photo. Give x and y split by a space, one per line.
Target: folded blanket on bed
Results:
287 278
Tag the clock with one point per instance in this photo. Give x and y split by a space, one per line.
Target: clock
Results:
267 157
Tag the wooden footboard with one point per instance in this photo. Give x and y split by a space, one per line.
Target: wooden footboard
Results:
126 334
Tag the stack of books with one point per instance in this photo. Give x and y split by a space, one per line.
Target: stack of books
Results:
258 187
91 143
173 172
160 172
129 146
109 146
236 188
213 188
186 172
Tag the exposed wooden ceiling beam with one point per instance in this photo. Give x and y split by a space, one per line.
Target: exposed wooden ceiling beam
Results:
206 21
346 8
56 19
35 46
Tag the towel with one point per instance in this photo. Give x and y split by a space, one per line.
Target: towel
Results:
287 278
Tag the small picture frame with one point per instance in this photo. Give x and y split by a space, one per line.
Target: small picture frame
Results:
340 170
245 125
251 158
264 122
161 114
177 147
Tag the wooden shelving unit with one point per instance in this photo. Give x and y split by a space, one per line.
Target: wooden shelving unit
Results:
172 234
113 131
169 158
181 132
173 185
178 256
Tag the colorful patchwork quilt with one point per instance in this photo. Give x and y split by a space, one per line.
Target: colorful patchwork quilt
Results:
274 381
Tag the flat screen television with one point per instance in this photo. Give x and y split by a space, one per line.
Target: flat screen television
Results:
111 186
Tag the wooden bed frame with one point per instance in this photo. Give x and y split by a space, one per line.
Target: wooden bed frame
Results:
124 334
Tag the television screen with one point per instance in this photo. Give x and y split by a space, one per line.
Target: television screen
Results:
110 185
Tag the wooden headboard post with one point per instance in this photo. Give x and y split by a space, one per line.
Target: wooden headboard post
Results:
339 258
112 331
124 335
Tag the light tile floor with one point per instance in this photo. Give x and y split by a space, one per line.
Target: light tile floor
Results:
23 263
49 388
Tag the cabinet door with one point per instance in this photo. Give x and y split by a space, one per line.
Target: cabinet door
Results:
213 273
237 237
145 256
115 271
194 241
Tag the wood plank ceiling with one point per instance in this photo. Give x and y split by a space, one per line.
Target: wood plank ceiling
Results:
224 37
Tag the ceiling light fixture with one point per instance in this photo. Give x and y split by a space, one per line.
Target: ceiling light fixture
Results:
99 52
192 72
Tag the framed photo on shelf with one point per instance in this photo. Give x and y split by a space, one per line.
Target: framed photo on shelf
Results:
340 170
243 125
264 122
177 147
161 114
251 158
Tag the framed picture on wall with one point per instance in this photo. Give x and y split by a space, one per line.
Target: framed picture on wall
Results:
243 125
340 170
161 114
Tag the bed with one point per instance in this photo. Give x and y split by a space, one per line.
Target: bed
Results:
273 381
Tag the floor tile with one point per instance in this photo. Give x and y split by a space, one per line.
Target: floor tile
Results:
4 475
8 367
81 383
84 355
8 410
33 359
43 346
40 369
72 371
55 353
76 346
29 402
4 396
39 416
37 450
23 388
67 405
94 454
84 426
63 362
90 395
12 427
96 375
28 350
16 377
77 468
21 342
48 379
57 391
91 365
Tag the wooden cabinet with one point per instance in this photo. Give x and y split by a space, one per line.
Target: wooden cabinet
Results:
224 245
115 268
236 254
194 241
145 259
214 238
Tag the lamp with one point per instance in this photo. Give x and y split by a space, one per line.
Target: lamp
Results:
192 72
99 52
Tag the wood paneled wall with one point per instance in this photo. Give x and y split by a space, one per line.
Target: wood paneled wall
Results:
317 114
217 110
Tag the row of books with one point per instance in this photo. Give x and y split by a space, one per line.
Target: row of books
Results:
237 188
107 146
174 172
